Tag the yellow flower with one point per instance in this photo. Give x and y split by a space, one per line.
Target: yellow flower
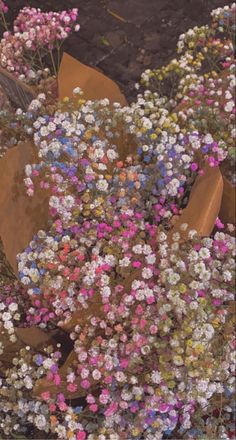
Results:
167 375
188 361
66 99
216 322
182 288
166 124
158 392
171 384
153 136
86 213
100 200
174 117
98 212
88 134
199 348
188 330
193 373
143 130
135 432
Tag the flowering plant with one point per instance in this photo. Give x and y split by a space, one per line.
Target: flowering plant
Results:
114 305
35 35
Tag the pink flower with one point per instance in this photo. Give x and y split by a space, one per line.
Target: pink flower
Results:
57 379
219 224
124 363
150 300
72 387
81 435
85 384
45 395
62 406
108 379
194 166
93 408
137 264
52 407
111 409
153 329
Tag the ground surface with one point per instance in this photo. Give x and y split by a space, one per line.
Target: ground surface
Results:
122 38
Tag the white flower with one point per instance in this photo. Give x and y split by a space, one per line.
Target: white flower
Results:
202 385
227 276
40 421
173 278
102 185
204 253
6 316
146 123
77 90
156 377
137 249
89 118
54 202
96 374
229 106
147 273
112 154
28 170
124 262
68 201
150 259
28 382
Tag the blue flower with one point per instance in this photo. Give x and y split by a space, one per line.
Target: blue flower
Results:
39 359
78 409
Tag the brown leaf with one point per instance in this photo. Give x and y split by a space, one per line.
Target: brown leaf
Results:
94 84
21 216
35 337
228 208
203 206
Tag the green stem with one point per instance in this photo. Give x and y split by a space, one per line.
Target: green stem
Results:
53 63
4 20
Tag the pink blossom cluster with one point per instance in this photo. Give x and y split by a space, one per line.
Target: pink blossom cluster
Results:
3 7
35 33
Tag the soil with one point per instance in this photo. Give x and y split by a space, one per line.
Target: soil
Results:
122 38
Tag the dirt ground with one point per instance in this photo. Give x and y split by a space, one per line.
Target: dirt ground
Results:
122 38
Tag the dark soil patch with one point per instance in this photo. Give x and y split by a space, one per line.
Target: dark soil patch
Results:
122 38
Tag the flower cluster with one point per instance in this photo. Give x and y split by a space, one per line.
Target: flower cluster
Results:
160 310
145 315
148 297
202 80
3 7
35 35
